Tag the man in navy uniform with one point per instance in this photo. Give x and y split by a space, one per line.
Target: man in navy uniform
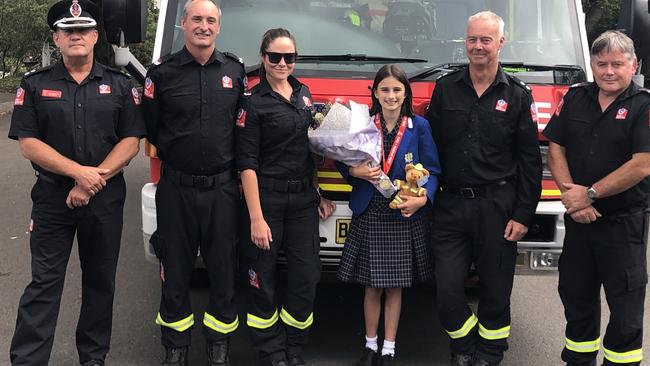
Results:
79 124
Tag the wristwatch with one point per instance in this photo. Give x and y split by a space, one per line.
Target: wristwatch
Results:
592 194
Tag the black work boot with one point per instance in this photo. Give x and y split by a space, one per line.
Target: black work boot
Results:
175 356
219 353
93 363
461 359
296 360
369 358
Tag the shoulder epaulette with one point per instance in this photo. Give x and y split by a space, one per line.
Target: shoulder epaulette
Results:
519 83
37 71
644 90
232 56
447 73
577 85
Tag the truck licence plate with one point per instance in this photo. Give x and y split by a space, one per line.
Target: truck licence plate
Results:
342 230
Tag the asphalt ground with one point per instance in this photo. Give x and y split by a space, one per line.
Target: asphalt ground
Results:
537 334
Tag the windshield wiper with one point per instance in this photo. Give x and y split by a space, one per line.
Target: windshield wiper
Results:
435 70
354 58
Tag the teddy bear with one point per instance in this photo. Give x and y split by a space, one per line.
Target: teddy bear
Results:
416 176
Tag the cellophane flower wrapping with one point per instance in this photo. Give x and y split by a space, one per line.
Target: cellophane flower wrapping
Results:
350 136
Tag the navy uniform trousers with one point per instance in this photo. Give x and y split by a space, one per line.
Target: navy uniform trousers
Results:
195 214
98 227
610 252
466 231
281 326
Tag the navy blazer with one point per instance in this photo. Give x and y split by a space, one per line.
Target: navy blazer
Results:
418 141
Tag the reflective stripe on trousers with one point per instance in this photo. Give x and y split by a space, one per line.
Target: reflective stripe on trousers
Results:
624 357
291 321
261 323
219 326
582 347
470 323
179 326
491 334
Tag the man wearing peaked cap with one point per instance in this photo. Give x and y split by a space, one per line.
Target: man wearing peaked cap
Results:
73 14
79 123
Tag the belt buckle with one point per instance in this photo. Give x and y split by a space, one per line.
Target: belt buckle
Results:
198 181
294 186
467 192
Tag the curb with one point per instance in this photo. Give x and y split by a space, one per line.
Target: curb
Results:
6 108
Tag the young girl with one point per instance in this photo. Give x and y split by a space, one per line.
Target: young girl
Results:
386 249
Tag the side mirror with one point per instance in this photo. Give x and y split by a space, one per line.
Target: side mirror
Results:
125 16
634 20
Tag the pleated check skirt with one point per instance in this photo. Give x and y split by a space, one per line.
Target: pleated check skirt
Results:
383 251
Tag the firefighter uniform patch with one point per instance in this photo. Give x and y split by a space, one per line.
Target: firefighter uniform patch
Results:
148 88
47 93
20 96
241 118
226 82
253 279
307 101
136 96
533 112
559 107
621 113
502 105
104 89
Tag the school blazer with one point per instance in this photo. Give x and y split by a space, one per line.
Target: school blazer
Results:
417 141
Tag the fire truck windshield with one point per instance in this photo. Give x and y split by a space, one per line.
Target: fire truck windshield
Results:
418 34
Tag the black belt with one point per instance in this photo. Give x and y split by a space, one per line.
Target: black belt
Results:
475 192
197 181
282 185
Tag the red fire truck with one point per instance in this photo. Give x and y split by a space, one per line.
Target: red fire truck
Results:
343 43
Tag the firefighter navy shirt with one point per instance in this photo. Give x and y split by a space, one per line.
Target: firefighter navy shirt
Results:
82 122
272 134
190 110
487 139
597 143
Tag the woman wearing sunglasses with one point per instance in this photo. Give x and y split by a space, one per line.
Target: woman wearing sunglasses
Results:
283 204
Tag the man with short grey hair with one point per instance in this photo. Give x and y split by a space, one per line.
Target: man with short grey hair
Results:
599 155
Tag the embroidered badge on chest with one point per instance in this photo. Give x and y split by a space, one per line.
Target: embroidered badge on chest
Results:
502 105
226 82
621 113
104 89
307 102
47 93
408 158
136 96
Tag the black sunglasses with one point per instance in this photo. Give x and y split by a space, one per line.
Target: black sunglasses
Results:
275 57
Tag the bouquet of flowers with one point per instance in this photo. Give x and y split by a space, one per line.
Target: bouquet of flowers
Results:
348 135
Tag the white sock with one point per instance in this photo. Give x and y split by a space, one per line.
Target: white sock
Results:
388 348
371 343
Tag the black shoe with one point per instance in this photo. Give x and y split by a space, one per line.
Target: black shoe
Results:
369 358
479 362
387 360
461 359
219 353
175 356
296 360
93 363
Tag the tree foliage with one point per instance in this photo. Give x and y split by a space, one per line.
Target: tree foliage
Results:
143 51
24 29
600 15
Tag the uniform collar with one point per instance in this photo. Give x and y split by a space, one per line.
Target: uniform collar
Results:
265 87
630 91
186 57
60 72
501 77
